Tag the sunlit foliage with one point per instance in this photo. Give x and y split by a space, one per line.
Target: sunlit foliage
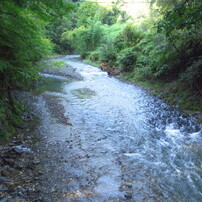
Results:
166 46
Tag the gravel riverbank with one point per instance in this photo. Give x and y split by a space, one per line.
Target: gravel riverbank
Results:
23 158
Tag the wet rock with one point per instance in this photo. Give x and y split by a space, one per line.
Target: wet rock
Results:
21 149
6 199
19 166
4 180
3 188
67 71
129 185
40 172
53 190
56 109
9 161
11 144
20 190
1 160
26 117
128 196
18 199
36 161
29 189
5 173
1 149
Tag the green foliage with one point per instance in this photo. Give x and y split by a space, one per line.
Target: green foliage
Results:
107 53
55 30
127 59
84 40
58 64
193 75
90 28
23 43
131 35
94 56
186 15
10 115
166 47
114 15
87 13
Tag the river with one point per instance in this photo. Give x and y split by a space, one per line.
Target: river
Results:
123 144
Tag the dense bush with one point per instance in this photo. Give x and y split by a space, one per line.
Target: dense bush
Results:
127 59
84 40
107 53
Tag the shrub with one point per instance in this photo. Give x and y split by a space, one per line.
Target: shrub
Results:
131 35
107 53
127 59
94 56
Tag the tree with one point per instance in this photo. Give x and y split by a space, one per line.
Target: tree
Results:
23 43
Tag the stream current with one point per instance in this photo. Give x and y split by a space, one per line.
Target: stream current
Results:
136 146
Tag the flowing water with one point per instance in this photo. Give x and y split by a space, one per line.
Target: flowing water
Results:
137 147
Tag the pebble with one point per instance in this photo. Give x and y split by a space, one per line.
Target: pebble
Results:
2 188
19 166
128 196
6 199
129 185
40 172
9 161
53 190
1 148
5 173
18 199
36 161
12 144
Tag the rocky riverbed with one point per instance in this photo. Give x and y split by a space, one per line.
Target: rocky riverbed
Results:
90 137
22 156
20 170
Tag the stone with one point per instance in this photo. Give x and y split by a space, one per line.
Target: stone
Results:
2 188
129 185
1 160
5 173
6 199
4 180
128 196
12 144
18 199
20 149
40 172
9 161
36 161
19 165
53 190
2 149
